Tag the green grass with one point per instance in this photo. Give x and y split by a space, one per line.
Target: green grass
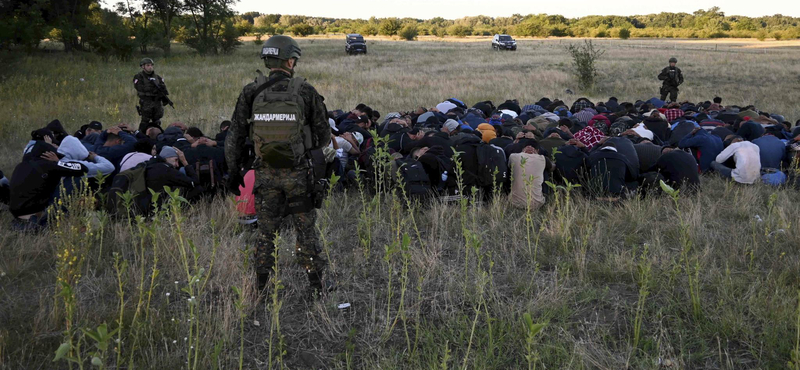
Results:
461 292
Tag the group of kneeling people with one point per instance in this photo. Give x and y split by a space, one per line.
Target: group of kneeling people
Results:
612 149
56 164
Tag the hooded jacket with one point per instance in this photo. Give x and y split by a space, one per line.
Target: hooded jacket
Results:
88 141
679 168
74 151
571 163
115 153
35 180
612 170
705 146
131 160
170 135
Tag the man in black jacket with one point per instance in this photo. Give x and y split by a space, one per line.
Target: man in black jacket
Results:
166 171
611 172
679 169
672 77
571 161
34 183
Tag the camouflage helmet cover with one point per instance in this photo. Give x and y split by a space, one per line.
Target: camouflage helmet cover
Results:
146 61
673 60
279 48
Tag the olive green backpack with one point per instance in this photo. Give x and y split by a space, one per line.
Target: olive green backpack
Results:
278 126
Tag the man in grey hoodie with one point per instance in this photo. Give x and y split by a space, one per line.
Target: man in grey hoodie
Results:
73 150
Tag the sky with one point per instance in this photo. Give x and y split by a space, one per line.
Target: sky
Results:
452 9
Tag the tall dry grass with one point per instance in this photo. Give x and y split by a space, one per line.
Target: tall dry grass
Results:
465 291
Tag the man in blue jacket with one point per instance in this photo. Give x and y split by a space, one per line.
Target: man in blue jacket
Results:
114 143
772 150
704 146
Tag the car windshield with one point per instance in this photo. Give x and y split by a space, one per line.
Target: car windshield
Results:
505 38
356 38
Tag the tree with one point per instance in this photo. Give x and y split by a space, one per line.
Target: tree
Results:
369 29
23 24
166 11
207 20
389 27
458 30
139 21
107 35
409 32
250 16
68 17
624 33
302 30
583 60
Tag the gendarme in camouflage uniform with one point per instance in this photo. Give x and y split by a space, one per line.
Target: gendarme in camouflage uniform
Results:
280 192
152 94
672 77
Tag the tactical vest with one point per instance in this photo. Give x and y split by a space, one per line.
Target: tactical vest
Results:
278 125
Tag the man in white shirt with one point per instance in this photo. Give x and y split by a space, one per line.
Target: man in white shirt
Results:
527 177
747 157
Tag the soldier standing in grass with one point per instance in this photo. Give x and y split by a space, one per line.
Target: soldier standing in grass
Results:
287 120
152 94
672 78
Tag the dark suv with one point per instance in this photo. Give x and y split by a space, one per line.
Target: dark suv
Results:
503 42
355 44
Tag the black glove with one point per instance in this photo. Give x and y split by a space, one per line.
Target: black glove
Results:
234 182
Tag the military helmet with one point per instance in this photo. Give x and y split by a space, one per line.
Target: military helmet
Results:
279 48
673 60
146 61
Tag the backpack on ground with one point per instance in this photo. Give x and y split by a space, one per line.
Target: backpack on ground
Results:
492 166
415 180
130 181
773 176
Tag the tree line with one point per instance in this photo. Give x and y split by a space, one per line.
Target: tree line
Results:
212 26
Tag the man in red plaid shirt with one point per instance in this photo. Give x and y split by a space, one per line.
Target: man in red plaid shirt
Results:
673 112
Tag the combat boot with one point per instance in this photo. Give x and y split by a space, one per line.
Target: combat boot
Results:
263 281
318 286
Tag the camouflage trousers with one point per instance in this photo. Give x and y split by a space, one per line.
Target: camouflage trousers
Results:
274 188
671 91
151 110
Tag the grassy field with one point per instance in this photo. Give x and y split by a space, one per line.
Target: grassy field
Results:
702 281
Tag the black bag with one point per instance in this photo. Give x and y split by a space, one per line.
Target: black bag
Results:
492 166
415 180
129 181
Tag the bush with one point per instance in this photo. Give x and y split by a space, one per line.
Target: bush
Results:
601 32
408 32
229 39
302 29
458 30
761 35
583 59
624 33
108 36
389 27
369 30
777 35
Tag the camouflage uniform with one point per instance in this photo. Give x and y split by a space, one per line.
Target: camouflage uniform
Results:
671 83
274 186
152 91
